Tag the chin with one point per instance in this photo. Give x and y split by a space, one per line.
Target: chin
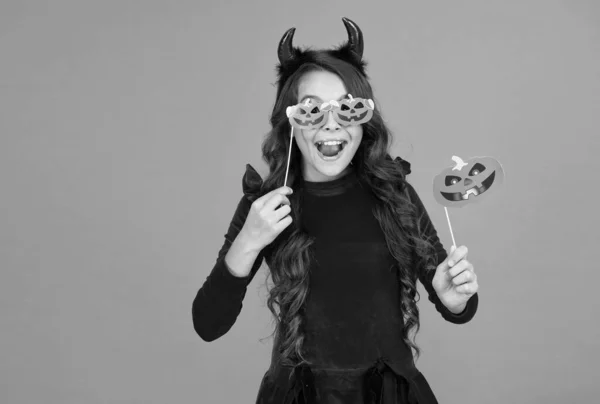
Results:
331 169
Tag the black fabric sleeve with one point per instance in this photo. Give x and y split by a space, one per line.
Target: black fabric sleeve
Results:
218 303
426 277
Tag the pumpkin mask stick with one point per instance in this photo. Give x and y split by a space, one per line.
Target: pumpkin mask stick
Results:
455 187
311 115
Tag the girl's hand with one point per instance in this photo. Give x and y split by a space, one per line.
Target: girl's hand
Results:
269 215
455 280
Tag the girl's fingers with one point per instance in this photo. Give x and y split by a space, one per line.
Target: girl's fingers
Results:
464 277
275 201
467 288
462 265
457 255
260 202
282 212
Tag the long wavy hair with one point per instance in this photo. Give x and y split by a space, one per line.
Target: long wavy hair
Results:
289 255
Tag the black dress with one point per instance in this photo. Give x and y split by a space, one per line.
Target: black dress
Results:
353 321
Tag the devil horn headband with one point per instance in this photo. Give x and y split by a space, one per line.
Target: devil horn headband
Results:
355 41
285 51
291 57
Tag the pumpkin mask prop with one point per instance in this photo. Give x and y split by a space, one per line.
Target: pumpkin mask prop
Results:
311 115
467 182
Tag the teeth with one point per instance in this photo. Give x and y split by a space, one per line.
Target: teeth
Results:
330 142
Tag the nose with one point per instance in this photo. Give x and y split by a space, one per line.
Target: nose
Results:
468 182
331 124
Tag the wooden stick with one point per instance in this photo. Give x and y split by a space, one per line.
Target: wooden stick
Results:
289 155
450 226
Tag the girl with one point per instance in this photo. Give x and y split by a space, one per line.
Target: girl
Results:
345 244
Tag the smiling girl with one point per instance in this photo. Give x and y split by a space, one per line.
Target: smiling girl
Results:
345 249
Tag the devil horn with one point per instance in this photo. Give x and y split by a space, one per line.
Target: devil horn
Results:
285 51
355 37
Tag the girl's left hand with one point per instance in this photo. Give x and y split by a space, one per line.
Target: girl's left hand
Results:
455 280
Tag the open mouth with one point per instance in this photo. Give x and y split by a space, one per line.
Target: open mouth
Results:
458 196
331 149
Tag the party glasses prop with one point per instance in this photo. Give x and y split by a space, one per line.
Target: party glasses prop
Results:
312 115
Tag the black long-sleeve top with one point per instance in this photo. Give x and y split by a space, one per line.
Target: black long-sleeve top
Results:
353 320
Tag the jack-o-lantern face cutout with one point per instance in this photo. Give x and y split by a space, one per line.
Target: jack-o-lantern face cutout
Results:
307 115
468 181
354 111
347 112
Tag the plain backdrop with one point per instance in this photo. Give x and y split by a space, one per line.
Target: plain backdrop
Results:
125 127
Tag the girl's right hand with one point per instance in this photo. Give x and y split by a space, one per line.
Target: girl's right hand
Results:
268 216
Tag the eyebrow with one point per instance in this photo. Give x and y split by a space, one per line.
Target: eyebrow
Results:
318 98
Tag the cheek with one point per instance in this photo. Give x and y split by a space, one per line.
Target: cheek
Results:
304 139
355 133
